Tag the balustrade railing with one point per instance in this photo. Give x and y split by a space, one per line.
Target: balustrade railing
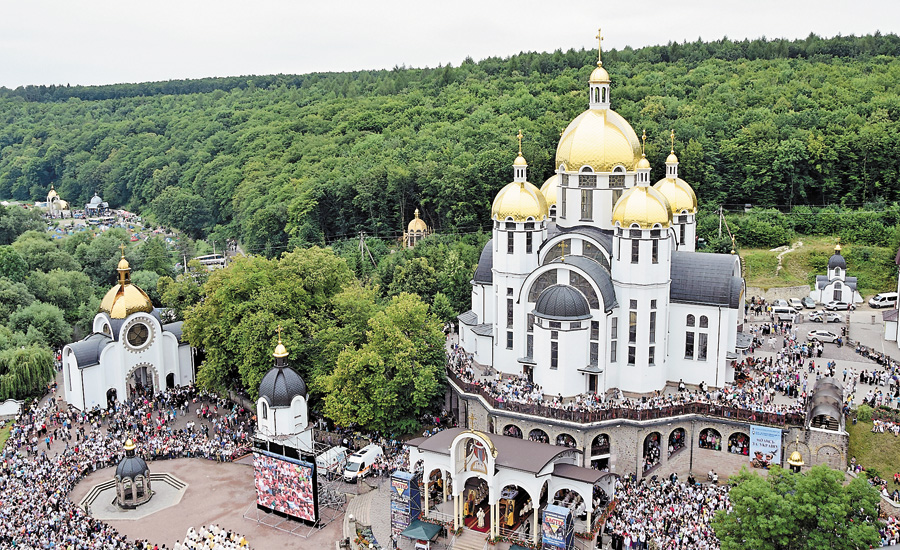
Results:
623 413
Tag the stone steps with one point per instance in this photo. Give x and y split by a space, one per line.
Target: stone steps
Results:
469 540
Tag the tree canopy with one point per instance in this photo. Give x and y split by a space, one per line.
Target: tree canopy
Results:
807 511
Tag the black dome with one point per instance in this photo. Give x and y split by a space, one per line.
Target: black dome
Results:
837 261
281 385
132 466
562 302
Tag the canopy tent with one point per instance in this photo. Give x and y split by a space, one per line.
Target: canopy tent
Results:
421 530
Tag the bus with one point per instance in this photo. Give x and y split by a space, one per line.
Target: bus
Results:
212 261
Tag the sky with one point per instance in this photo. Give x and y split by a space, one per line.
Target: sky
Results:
92 42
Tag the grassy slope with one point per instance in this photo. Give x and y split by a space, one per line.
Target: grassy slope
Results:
4 435
879 451
798 267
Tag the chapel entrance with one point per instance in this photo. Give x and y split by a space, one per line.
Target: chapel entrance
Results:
476 510
140 383
111 398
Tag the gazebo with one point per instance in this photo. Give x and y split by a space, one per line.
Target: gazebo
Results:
132 479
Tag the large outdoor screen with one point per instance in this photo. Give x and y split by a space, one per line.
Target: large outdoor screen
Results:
285 485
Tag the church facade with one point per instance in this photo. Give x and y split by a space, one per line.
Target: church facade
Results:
129 349
592 282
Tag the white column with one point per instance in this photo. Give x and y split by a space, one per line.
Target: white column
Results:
534 524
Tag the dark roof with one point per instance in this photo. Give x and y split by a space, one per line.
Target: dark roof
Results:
484 274
599 274
837 260
87 351
562 302
707 279
175 329
822 281
484 329
468 318
281 385
132 466
604 237
577 473
890 315
512 452
827 409
826 398
743 341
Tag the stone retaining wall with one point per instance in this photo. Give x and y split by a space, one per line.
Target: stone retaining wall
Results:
783 292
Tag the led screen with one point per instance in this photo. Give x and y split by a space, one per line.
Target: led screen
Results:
285 485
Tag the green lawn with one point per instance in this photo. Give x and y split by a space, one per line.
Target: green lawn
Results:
879 451
4 435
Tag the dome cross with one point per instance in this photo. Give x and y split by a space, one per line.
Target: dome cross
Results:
599 38
519 135
644 143
122 248
672 138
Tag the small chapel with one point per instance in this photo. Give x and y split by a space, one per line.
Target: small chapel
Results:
130 351
282 416
591 283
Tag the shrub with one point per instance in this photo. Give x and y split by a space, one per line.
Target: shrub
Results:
864 413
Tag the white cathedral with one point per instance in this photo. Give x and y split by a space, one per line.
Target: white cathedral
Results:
592 282
128 350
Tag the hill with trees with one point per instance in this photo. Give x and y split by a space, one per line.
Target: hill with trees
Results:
282 161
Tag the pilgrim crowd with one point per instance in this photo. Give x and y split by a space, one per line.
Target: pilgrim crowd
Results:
51 448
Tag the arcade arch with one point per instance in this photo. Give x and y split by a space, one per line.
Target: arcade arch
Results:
739 444
566 440
512 430
677 440
710 439
538 435
652 454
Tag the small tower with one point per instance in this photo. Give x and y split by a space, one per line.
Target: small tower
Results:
132 479
415 231
683 201
796 459
281 410
599 81
837 265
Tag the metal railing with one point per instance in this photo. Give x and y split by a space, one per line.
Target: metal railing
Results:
624 413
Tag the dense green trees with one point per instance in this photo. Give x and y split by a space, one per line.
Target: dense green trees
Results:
280 161
23 370
805 511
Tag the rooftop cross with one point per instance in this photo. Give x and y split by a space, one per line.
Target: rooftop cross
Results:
599 38
519 135
644 143
562 248
279 334
122 248
672 137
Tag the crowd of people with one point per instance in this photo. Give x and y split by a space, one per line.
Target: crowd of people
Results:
665 514
212 538
52 447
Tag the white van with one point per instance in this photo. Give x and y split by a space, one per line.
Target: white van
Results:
331 463
784 313
359 465
885 299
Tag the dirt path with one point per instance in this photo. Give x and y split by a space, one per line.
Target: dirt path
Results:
793 247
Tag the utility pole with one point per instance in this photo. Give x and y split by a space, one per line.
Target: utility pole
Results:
184 257
720 222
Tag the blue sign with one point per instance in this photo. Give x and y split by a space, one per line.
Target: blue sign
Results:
765 446
557 528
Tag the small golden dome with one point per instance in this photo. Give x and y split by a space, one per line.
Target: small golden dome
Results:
520 160
644 206
549 189
599 76
280 350
679 194
123 265
671 159
519 201
643 164
796 459
123 300
417 224
601 139
129 445
52 193
837 248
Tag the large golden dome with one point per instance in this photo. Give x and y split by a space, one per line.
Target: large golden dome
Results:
549 189
519 200
679 194
125 298
642 205
601 139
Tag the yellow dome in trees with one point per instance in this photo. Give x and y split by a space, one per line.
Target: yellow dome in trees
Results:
417 224
644 206
519 200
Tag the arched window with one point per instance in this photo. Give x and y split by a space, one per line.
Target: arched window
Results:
603 95
690 320
651 450
600 445
540 284
585 287
837 285
704 321
710 439
590 251
739 444
512 430
837 272
565 440
538 435
676 440
264 411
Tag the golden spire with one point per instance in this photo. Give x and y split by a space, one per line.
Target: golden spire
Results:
732 244
644 143
520 160
562 247
599 38
519 135
417 217
672 137
122 248
280 350
123 268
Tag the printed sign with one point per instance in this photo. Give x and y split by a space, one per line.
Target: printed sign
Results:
765 446
556 528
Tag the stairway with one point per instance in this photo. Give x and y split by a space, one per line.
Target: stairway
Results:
470 540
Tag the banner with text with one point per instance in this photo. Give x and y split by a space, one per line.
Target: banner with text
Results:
765 446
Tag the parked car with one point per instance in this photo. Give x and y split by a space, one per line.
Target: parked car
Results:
826 317
796 303
780 302
823 336
808 303
885 299
835 305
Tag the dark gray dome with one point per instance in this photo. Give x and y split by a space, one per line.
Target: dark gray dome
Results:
484 273
562 302
281 385
837 261
132 466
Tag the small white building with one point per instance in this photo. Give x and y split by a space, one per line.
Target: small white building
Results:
282 416
128 351
836 285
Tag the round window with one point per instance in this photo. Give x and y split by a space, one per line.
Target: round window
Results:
138 334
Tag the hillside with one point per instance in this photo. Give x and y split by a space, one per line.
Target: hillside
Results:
279 161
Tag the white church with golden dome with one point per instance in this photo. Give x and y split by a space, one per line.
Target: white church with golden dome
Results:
129 350
592 282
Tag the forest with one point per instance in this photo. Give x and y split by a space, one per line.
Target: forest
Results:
282 161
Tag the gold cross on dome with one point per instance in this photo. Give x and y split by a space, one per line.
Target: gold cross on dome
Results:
279 333
519 135
599 38
644 142
562 247
122 248
672 137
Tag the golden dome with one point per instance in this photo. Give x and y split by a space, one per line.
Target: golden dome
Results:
549 189
795 459
417 224
52 193
601 139
644 206
679 194
671 158
599 76
520 160
519 201
125 298
643 164
123 265
129 445
280 350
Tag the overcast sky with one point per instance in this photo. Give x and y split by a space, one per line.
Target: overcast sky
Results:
105 42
